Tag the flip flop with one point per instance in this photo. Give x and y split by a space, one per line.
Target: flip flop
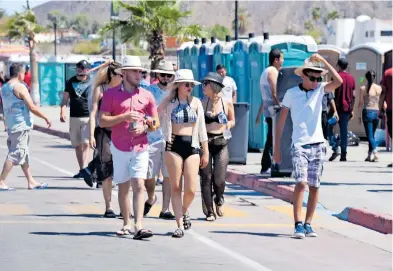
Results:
40 186
6 189
109 214
148 206
143 234
123 232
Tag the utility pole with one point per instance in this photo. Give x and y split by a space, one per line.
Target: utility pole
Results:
55 29
114 16
236 20
27 5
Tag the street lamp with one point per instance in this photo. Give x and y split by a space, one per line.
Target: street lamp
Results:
236 20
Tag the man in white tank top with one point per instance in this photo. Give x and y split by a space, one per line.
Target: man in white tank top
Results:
268 86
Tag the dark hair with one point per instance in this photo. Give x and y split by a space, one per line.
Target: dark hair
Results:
16 69
111 70
342 63
370 76
273 55
307 71
220 67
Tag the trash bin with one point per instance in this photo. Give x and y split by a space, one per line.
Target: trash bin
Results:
286 80
238 144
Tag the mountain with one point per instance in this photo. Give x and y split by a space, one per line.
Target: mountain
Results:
275 17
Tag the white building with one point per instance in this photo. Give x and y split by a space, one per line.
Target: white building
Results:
346 33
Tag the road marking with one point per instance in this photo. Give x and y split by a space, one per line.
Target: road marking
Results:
288 210
14 209
243 259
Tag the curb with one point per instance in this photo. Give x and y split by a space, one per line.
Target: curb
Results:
362 217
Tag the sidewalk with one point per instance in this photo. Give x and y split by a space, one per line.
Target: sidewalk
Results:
357 191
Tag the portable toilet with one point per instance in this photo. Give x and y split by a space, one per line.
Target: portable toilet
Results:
362 58
257 133
240 70
187 58
222 54
205 62
51 76
331 53
180 53
195 65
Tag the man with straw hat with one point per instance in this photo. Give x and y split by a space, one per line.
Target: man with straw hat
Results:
125 109
165 75
308 144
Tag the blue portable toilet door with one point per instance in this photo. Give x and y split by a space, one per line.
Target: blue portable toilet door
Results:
205 65
257 134
240 71
217 56
52 83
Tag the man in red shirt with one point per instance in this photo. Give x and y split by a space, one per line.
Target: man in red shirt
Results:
28 77
386 97
344 100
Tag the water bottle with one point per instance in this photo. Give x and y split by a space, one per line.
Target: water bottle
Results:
332 121
222 118
227 134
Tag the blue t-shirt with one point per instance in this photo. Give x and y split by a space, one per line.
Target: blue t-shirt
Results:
159 96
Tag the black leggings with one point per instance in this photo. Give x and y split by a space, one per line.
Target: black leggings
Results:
213 177
182 146
102 163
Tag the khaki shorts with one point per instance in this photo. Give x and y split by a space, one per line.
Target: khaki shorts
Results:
18 147
156 160
79 131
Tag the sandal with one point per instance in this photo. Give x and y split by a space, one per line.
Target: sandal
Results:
167 215
186 221
143 234
123 232
148 206
40 186
211 218
179 233
109 214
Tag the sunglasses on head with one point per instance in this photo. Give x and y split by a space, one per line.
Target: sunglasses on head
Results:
189 85
167 75
315 79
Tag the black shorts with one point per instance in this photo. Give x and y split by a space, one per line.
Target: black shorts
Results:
182 145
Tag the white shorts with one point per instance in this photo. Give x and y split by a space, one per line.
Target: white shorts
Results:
156 160
129 165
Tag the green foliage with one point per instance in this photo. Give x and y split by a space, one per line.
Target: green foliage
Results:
219 31
331 16
316 34
308 25
316 13
87 48
150 21
23 25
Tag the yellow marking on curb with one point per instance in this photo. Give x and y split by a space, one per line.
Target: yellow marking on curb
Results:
288 210
232 212
155 211
14 209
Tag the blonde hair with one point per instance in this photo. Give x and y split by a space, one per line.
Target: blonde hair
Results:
105 74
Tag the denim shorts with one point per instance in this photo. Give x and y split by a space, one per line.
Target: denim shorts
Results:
307 161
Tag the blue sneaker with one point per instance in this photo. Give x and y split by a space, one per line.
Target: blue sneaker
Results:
299 231
309 231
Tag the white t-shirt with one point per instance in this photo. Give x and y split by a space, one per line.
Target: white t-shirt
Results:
306 114
266 92
229 87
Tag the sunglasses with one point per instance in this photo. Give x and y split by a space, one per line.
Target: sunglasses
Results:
315 79
81 67
163 75
189 85
205 83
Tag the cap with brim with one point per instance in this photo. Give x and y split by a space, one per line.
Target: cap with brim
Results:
214 77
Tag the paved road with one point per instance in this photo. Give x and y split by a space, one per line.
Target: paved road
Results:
62 229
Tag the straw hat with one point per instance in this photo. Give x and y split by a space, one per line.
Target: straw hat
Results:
184 75
131 63
314 66
165 67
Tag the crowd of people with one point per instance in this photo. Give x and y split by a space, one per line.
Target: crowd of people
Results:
142 131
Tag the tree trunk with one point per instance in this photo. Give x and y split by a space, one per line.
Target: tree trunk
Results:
156 42
35 91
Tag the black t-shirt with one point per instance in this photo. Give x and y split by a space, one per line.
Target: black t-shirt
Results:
79 92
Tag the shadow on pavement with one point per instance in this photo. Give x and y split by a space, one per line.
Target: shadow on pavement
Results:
72 215
95 233
51 177
263 234
365 171
68 188
378 191
59 146
353 184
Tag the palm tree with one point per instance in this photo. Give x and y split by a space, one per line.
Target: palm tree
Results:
242 21
25 26
150 21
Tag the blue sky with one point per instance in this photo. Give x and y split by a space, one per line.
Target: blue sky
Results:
17 5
